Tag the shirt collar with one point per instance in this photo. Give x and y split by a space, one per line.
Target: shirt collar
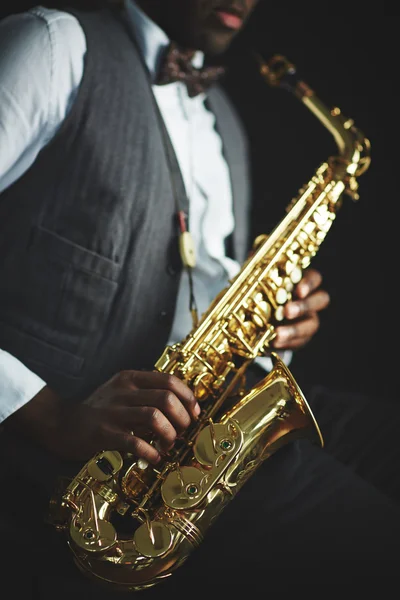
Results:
151 38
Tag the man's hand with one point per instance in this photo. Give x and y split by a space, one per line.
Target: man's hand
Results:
301 314
121 415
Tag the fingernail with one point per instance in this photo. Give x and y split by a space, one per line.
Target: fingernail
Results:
282 335
293 310
303 290
279 341
197 409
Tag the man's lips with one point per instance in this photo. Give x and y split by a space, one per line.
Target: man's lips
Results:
229 19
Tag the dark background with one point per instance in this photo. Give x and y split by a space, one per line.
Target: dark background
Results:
350 62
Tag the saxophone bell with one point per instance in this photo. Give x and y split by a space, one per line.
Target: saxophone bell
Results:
276 411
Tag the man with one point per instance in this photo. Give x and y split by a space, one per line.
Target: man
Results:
95 289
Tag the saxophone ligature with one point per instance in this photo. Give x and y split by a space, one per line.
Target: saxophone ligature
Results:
129 524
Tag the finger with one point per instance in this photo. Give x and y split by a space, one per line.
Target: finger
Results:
312 279
163 400
164 381
296 334
314 303
293 344
146 419
129 442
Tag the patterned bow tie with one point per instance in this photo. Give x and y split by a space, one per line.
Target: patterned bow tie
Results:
177 66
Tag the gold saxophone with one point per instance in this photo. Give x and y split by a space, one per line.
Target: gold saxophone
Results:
130 524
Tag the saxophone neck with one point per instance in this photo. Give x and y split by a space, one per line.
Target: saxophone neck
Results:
353 147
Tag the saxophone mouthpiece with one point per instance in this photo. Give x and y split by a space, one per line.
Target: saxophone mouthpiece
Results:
280 72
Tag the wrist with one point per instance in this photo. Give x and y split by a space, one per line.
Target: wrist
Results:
39 419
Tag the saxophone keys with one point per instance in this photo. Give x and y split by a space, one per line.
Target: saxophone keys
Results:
105 465
203 385
261 313
289 266
92 536
275 277
249 329
281 296
288 284
293 259
259 241
153 539
183 487
279 316
265 308
325 227
321 215
296 275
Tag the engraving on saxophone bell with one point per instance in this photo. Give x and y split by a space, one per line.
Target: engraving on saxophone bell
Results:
131 524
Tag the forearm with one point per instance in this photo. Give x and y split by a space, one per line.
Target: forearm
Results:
39 419
28 407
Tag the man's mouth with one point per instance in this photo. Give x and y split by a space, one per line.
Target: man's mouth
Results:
231 17
229 20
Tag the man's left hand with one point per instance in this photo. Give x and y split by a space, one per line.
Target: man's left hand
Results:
301 313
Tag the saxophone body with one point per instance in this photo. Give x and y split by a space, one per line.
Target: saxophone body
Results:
130 524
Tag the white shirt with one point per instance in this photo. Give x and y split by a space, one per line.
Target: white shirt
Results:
42 55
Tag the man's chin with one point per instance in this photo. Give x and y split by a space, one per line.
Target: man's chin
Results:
213 45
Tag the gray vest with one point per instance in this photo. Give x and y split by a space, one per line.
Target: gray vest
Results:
89 265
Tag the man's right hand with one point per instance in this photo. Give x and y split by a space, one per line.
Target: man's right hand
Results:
122 414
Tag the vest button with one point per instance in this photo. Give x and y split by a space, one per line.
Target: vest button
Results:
163 316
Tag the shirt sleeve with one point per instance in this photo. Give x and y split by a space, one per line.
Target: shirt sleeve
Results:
41 66
18 384
266 363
